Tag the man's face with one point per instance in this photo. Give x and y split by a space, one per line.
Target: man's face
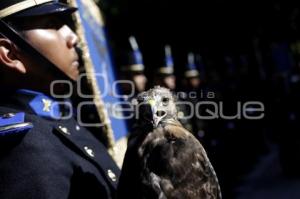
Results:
140 81
194 82
55 40
170 82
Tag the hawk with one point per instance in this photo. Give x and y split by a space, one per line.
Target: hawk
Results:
163 160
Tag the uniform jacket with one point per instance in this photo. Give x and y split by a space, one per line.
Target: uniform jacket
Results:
43 157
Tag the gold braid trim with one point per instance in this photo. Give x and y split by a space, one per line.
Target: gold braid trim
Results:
103 114
20 7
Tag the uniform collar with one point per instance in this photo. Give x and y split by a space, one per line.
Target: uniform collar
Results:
40 104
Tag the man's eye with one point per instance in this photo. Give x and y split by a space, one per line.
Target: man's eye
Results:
53 23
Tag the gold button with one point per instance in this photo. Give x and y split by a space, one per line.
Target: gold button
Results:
111 175
64 130
8 115
89 151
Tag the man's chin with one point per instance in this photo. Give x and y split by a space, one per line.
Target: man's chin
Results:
74 75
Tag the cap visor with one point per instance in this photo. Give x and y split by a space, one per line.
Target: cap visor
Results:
46 9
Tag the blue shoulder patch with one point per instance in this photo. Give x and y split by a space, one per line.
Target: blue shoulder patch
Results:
43 105
12 123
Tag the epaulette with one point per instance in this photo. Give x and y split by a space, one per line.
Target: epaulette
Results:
42 105
13 123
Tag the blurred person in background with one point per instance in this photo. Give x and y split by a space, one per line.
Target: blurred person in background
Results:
133 70
165 74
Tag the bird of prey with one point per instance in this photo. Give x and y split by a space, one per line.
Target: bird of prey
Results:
163 160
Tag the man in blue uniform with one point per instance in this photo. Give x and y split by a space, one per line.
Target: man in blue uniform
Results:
133 70
165 75
44 153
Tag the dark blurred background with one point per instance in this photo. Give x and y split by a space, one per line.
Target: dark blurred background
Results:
212 28
250 51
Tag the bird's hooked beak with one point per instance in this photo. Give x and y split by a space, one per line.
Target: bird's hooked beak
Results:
157 115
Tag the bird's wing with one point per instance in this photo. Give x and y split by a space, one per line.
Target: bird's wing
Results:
129 182
211 185
130 179
175 165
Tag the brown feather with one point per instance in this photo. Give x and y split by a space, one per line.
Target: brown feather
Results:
166 161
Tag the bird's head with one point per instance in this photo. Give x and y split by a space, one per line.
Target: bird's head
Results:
156 106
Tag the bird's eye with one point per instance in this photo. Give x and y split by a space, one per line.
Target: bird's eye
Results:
165 101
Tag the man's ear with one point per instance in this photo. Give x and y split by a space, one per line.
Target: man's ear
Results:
8 56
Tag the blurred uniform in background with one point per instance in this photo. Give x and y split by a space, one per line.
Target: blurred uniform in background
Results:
133 70
193 88
133 77
165 74
165 77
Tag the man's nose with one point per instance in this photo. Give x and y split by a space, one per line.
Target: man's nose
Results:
70 37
